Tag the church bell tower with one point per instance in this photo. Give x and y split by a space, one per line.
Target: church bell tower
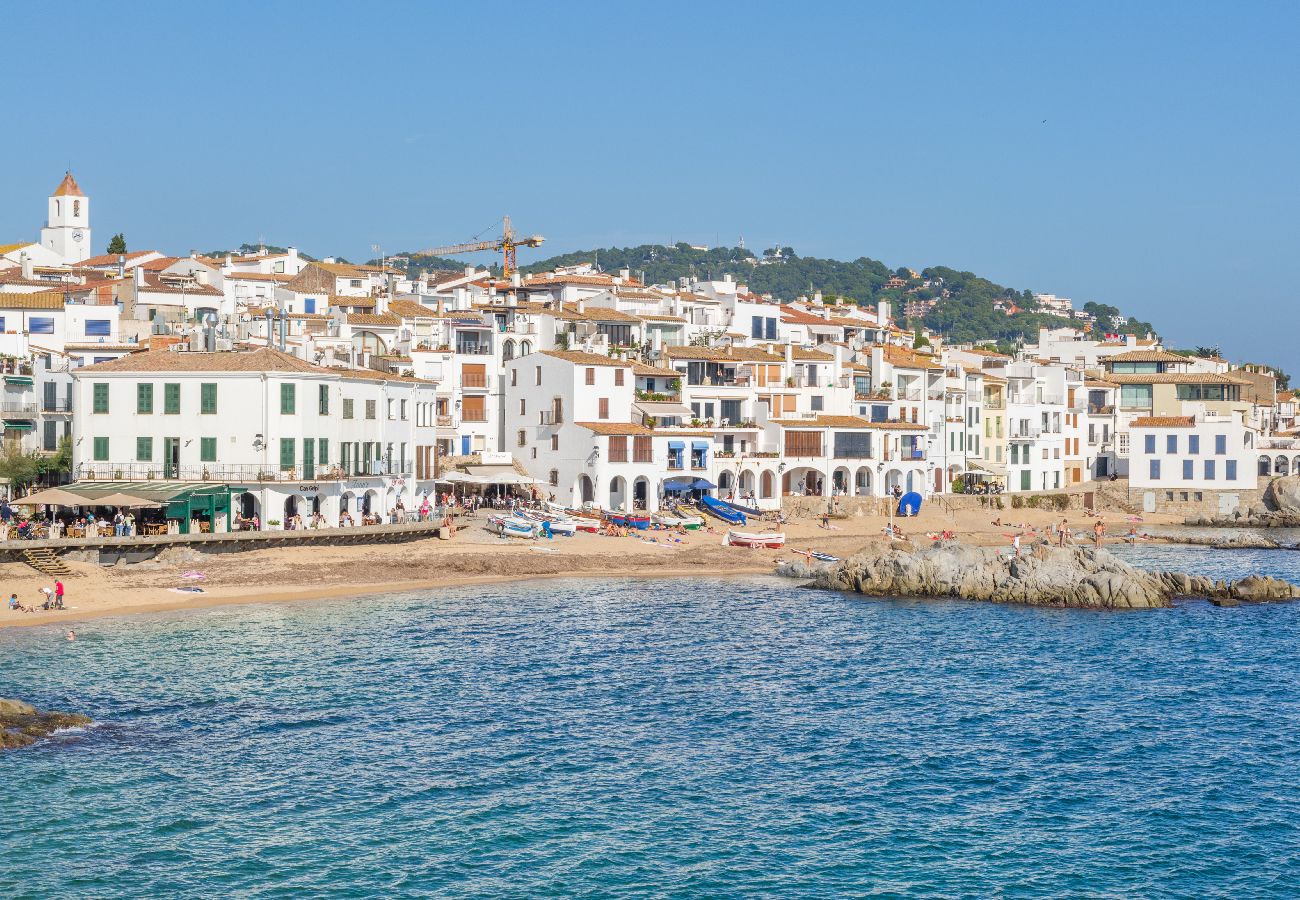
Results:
67 229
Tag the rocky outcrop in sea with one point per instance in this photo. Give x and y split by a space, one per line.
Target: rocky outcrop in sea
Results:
22 724
1044 576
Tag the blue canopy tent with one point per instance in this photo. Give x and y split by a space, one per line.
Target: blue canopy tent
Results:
909 504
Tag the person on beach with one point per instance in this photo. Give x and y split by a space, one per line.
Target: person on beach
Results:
1099 531
1015 544
1062 532
13 602
58 593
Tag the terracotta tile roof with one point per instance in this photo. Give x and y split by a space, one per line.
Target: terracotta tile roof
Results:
603 314
798 352
409 309
989 353
1098 383
593 280
1163 422
1175 378
581 358
356 302
906 359
157 265
68 187
36 300
383 319
847 422
707 353
1156 356
110 259
264 359
801 317
614 428
151 284
642 370
647 317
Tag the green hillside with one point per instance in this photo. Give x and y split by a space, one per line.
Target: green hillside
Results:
964 310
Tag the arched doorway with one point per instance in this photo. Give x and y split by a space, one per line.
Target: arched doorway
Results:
767 485
507 351
893 479
618 493
725 481
346 501
840 480
586 489
746 483
1281 466
315 505
290 508
368 502
641 493
1265 465
862 482
1295 466
247 505
368 342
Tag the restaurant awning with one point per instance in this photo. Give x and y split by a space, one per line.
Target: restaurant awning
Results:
18 424
52 497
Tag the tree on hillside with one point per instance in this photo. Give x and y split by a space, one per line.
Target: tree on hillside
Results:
116 245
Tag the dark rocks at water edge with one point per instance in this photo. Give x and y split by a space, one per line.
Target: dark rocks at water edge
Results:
1044 576
1278 508
22 724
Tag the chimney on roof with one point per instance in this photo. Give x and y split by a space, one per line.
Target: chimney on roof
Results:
624 275
442 306
882 313
469 270
329 260
515 279
291 252
582 306
28 272
121 265
201 277
512 299
270 327
789 353
194 254
817 298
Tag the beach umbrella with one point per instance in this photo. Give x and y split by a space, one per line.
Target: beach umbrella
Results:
53 497
121 499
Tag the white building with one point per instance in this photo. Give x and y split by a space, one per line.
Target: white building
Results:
279 435
1202 461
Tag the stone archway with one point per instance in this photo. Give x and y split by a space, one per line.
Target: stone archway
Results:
767 485
745 483
840 480
248 506
618 493
862 481
893 479
641 493
1282 466
586 490
1265 465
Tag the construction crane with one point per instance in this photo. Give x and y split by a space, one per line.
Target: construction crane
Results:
506 244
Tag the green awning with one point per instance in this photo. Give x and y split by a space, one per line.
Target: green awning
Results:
18 425
18 379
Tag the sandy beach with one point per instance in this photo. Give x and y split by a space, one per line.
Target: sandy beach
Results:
474 556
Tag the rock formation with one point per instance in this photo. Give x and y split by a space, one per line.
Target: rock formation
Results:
1279 508
22 724
1045 576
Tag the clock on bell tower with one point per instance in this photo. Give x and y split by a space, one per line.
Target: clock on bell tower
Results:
67 229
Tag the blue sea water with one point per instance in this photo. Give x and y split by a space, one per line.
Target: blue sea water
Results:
683 738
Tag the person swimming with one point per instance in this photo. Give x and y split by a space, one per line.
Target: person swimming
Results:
72 635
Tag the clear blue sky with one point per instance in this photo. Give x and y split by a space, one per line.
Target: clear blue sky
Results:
1143 155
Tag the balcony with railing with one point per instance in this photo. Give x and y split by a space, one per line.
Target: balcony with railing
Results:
231 473
471 380
552 417
995 404
18 409
57 406
474 349
1024 434
1098 409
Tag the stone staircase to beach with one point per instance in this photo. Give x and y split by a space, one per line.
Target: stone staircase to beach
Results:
47 563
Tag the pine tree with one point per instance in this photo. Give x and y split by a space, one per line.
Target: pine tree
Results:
117 245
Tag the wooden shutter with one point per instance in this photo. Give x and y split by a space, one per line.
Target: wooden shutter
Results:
604 408
473 409
618 448
591 376
803 443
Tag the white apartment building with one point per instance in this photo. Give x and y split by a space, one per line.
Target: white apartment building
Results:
279 435
1198 461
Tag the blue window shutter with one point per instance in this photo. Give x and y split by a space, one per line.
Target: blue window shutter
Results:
755 327
40 325
771 329
98 327
309 305
1150 443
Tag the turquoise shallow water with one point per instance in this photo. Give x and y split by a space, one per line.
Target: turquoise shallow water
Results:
679 738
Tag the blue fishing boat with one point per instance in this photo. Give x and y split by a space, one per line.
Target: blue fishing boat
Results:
721 510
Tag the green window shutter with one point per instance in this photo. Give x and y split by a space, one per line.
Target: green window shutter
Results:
324 399
101 449
287 399
143 399
144 449
208 449
208 399
101 397
286 454
171 399
323 451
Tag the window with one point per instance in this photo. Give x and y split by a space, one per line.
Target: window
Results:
347 408
642 449
1188 473
40 325
816 403
523 406
1230 470
618 448
1150 443
756 326
539 375
171 399
1171 443
391 407
286 454
771 329
591 376
370 408
1135 396
803 443
98 328
323 399
288 399
1220 444
208 399
207 449
514 377
1209 470
618 378
323 451
554 478
1193 444
1155 469
50 437
401 409
555 442
100 404
523 437
852 444
473 409
144 449
603 406
355 282
101 449
143 399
